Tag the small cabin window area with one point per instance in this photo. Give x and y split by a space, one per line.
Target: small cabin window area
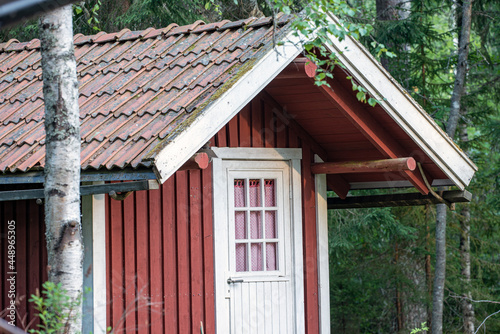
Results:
255 225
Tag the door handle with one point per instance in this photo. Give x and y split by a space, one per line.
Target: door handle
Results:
234 280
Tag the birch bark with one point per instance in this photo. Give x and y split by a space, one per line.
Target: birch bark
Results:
62 165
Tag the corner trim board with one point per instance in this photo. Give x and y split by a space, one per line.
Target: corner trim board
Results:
323 262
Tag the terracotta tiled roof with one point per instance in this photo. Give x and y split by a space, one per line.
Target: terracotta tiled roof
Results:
136 88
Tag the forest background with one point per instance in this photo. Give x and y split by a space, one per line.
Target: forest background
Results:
381 260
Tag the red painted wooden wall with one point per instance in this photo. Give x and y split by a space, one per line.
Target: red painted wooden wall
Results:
160 246
161 251
159 258
31 257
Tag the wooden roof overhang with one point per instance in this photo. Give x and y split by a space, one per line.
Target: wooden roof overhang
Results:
362 146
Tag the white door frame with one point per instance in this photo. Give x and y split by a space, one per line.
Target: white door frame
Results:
293 156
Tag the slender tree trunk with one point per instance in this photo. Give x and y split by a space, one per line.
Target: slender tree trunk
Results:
62 165
463 54
428 274
451 127
439 271
466 303
392 10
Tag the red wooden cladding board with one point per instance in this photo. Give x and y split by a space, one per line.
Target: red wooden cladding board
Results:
143 263
31 258
155 253
22 265
196 248
244 122
130 261
208 250
310 244
183 265
170 254
116 284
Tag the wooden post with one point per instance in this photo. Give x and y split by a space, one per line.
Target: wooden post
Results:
374 166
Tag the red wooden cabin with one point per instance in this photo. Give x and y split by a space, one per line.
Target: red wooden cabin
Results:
226 148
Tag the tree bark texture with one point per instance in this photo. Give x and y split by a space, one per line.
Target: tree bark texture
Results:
439 271
62 165
463 54
451 127
466 303
392 10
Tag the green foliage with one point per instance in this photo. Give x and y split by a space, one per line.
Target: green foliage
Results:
364 272
86 17
425 45
422 328
55 308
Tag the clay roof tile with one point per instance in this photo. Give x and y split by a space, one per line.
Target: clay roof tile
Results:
105 38
131 84
4 46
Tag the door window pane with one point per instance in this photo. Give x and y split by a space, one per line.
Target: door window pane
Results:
239 193
241 257
255 225
240 225
254 192
270 193
271 253
256 249
270 224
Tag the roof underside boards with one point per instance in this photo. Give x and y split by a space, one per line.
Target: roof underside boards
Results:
398 105
135 89
340 137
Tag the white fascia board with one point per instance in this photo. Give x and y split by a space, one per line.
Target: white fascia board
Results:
221 111
254 153
403 109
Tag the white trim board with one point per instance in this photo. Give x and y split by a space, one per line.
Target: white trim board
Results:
94 239
403 109
221 111
248 153
323 254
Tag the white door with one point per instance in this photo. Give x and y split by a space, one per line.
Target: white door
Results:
259 277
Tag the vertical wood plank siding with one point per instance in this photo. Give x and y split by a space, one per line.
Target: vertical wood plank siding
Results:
31 256
160 242
160 273
160 258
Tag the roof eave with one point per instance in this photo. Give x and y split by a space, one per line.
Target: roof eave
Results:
223 108
403 109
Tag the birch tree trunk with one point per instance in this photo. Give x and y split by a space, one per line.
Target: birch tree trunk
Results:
62 162
451 127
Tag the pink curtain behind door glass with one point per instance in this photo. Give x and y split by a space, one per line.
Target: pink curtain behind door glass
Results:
256 229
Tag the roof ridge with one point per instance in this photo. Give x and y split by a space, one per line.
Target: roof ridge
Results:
172 29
